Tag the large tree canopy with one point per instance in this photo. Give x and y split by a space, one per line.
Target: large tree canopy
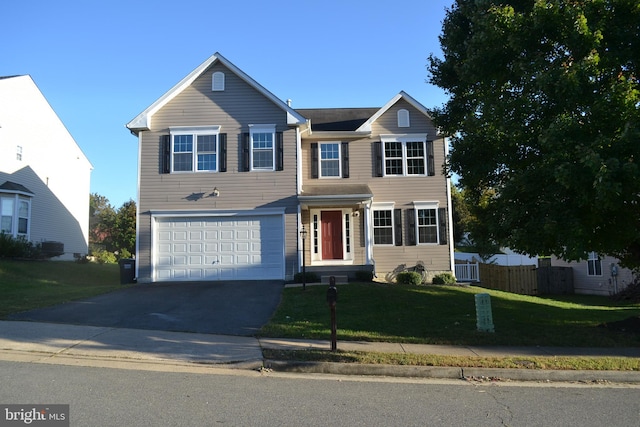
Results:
544 118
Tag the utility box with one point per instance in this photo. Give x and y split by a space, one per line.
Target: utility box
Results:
484 316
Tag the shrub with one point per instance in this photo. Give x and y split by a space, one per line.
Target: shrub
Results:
311 277
364 276
124 254
18 248
409 278
444 279
105 257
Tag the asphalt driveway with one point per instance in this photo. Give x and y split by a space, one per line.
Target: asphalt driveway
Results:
227 308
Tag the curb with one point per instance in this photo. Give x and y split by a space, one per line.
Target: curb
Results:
495 374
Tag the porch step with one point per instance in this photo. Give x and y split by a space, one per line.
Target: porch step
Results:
339 279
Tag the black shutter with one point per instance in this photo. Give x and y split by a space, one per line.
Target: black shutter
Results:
411 229
442 218
314 160
279 151
345 160
431 169
377 147
222 148
165 158
397 225
246 157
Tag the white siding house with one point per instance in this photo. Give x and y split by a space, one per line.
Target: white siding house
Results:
44 175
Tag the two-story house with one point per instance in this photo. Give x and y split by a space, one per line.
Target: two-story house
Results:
229 176
44 175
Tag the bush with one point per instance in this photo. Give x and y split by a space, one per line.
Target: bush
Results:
409 278
364 276
444 279
124 254
18 248
311 277
105 257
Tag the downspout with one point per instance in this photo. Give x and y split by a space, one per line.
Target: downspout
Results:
449 212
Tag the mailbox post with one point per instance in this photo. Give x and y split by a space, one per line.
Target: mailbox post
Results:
332 298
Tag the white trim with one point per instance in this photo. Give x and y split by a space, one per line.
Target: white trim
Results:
347 257
262 128
218 81
143 120
195 132
383 207
430 205
221 212
339 144
404 139
366 126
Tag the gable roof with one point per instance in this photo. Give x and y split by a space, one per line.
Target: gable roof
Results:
337 119
366 126
12 187
143 120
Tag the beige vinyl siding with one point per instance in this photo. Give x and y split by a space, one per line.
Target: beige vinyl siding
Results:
595 285
402 190
234 109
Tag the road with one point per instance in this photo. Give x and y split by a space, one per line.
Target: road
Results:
117 397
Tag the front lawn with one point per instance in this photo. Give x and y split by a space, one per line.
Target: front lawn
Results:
446 315
25 285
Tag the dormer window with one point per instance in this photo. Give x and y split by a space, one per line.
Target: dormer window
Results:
217 81
403 118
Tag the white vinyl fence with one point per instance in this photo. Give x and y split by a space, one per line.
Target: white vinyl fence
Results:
467 272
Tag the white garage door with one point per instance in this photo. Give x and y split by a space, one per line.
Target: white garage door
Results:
219 248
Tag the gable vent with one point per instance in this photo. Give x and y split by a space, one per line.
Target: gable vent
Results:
217 81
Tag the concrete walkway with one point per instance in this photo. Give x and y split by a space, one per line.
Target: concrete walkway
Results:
72 344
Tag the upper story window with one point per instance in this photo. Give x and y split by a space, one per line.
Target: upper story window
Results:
330 159
217 81
403 118
405 155
15 215
194 149
594 265
262 147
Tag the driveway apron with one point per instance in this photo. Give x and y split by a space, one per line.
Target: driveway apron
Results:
227 308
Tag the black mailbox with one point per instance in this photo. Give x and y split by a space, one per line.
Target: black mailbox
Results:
332 292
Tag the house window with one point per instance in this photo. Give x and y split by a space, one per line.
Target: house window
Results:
194 149
405 155
347 232
330 159
594 265
217 81
262 152
427 225
383 227
403 118
15 214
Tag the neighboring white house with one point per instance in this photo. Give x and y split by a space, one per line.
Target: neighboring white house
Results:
44 175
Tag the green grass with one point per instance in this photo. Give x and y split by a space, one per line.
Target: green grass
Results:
26 285
446 315
508 362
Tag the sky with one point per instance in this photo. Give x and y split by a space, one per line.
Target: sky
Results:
99 64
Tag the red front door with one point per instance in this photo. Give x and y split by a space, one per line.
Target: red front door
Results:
331 222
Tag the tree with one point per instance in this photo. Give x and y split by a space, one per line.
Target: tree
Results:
102 218
125 227
544 118
460 213
111 230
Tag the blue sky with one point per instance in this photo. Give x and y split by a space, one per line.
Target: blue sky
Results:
99 64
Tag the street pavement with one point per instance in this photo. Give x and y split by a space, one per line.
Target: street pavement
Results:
55 343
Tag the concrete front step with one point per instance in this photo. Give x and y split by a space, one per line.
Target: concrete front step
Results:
340 279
